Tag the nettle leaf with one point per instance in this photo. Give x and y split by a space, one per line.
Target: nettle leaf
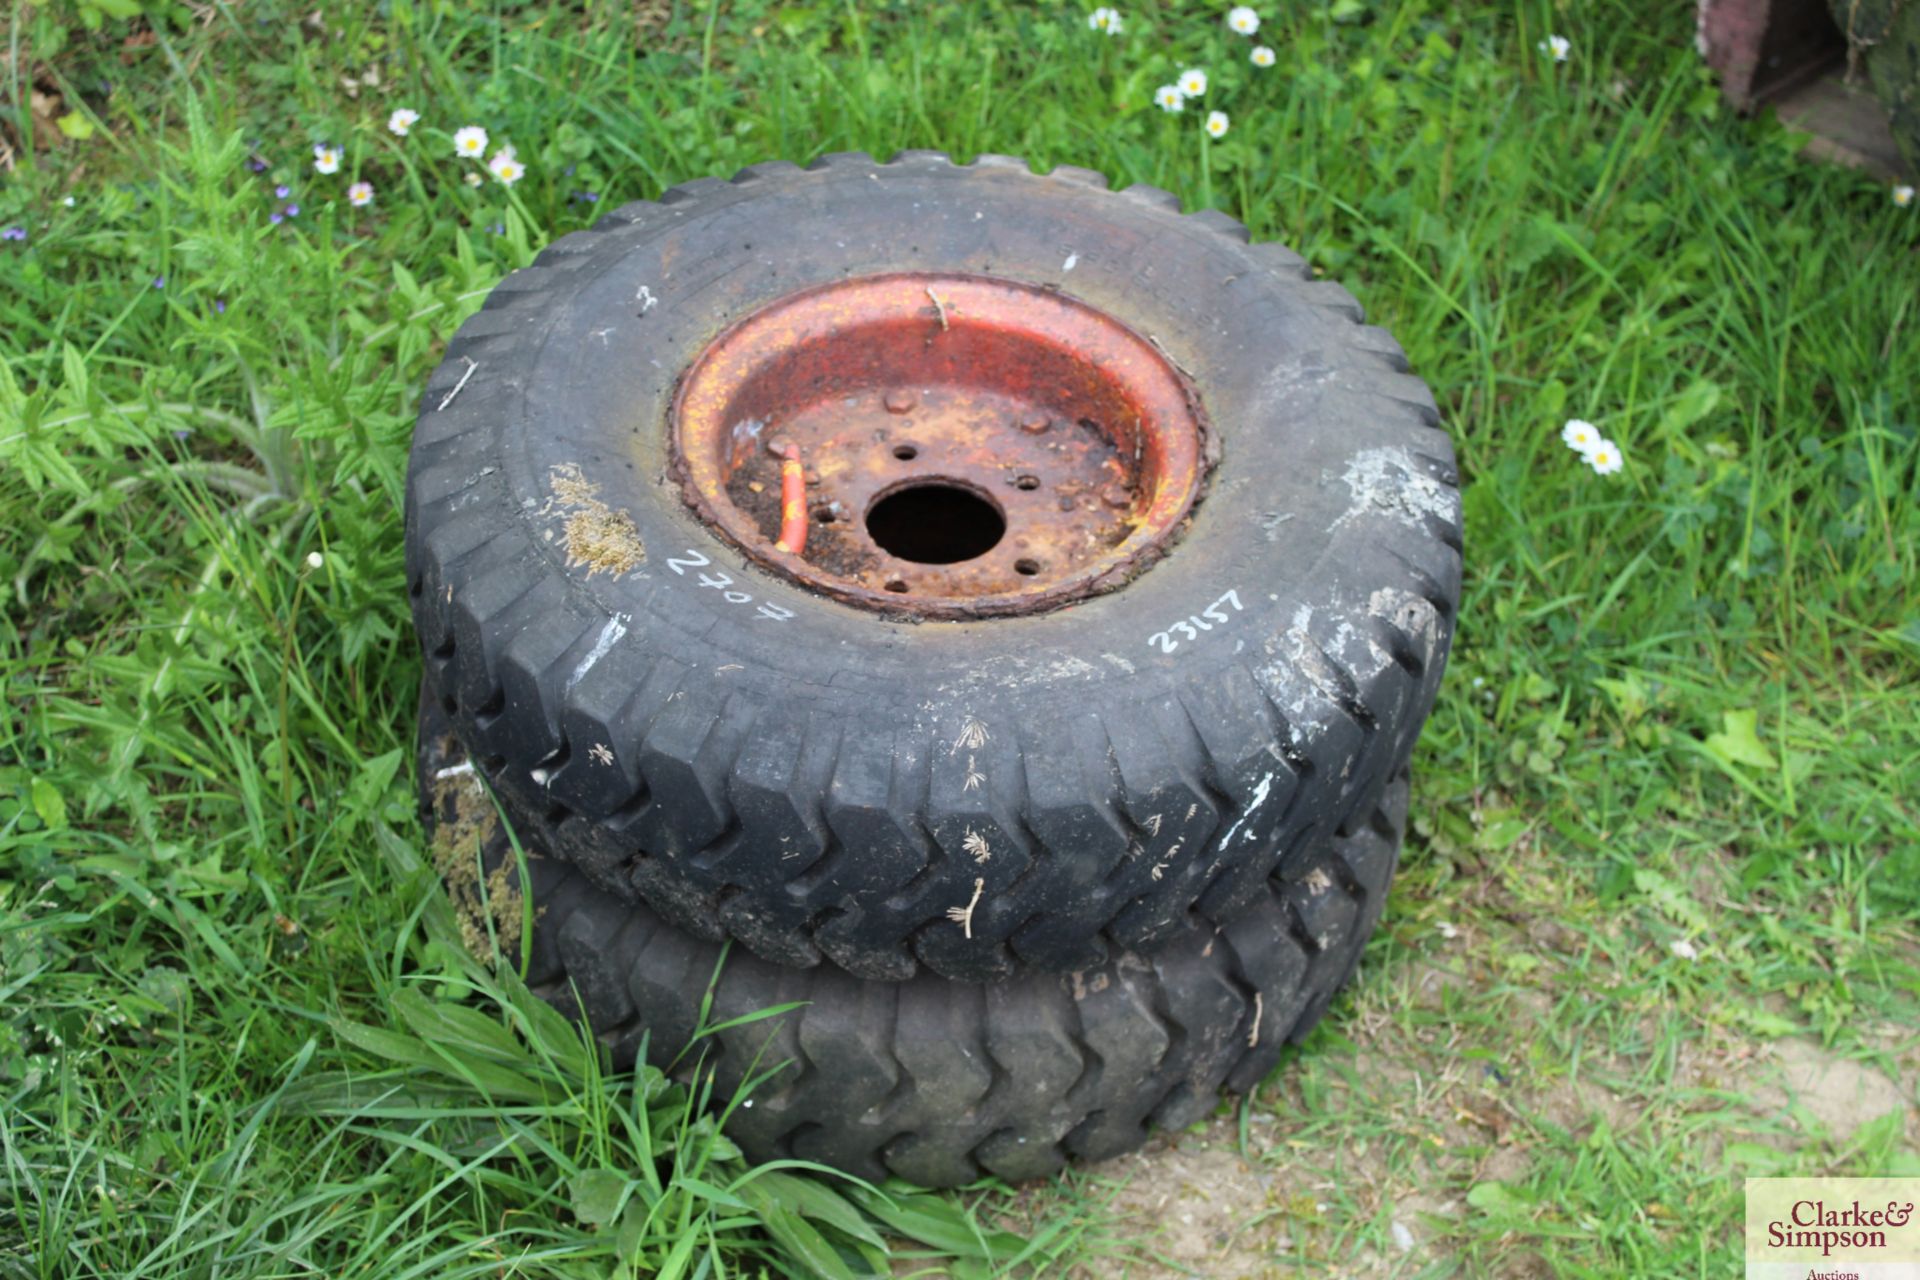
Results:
596 1195
1498 1198
42 462
407 293
49 804
1538 239
1695 403
1738 742
1763 1022
1673 901
13 401
705 1132
1502 831
369 786
363 632
74 368
1630 695
1553 398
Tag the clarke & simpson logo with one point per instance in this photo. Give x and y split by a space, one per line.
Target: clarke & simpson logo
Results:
1814 1225
1833 1229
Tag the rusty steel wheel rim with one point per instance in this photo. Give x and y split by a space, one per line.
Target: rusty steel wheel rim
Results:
970 447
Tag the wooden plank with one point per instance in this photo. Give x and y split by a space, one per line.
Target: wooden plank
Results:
1848 124
1763 48
1793 56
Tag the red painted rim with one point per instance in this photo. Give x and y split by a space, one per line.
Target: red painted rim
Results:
965 405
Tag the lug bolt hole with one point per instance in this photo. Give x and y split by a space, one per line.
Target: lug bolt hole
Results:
1027 482
897 586
823 515
1026 568
905 452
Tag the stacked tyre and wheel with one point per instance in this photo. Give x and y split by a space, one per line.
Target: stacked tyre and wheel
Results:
987 612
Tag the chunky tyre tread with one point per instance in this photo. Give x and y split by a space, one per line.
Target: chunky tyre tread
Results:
659 792
935 1081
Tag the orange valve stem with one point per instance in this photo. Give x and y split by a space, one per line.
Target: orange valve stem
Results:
793 501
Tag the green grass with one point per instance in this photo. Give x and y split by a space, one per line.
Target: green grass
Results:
1683 707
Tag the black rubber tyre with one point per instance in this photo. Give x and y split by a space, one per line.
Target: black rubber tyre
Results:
929 1079
823 785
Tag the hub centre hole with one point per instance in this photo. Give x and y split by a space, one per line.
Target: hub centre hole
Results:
935 524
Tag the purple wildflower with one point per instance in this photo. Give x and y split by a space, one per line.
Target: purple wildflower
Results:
256 164
283 191
293 211
159 282
14 233
497 228
219 306
276 217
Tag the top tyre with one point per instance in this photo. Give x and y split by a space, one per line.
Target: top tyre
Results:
1129 568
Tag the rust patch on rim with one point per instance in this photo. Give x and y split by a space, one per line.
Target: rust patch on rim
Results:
971 447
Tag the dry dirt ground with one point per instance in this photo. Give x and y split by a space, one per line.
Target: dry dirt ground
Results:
1356 1159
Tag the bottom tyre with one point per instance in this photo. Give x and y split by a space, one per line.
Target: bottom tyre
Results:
931 1080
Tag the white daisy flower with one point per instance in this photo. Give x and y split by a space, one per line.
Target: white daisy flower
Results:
1105 19
1216 124
1261 56
401 122
315 560
1581 436
506 168
1243 20
360 194
1169 98
474 179
1558 46
470 142
1902 196
1192 83
1683 949
1605 458
326 159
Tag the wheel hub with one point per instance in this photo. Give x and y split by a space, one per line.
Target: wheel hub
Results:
970 446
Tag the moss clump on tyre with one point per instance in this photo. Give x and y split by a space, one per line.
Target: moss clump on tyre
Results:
1128 573
929 1079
